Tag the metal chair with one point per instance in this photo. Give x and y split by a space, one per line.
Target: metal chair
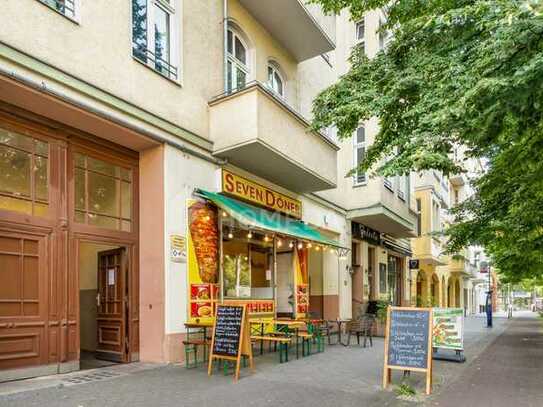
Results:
362 326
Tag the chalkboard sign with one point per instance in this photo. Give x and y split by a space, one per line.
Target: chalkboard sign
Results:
227 330
408 338
231 337
408 342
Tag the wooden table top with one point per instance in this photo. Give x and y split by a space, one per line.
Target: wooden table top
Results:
198 324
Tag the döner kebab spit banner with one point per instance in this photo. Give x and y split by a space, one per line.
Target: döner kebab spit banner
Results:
448 332
203 260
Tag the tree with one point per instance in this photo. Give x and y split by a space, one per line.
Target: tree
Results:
466 73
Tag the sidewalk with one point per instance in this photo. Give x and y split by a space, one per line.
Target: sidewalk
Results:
508 373
341 376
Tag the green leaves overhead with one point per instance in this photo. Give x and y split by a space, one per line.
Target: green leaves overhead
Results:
466 73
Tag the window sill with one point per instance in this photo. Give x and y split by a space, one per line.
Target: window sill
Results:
401 196
389 187
360 184
174 81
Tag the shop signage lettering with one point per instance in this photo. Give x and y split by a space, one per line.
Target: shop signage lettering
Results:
364 232
242 188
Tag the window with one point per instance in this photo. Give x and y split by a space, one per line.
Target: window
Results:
65 7
154 33
384 36
419 218
402 187
456 197
359 153
382 278
238 66
275 80
360 30
436 224
103 193
24 174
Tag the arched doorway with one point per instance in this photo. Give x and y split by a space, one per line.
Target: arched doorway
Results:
421 288
434 291
443 292
450 292
457 293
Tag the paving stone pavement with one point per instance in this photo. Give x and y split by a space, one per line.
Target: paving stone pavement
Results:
341 376
508 373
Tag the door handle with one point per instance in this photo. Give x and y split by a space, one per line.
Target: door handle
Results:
98 300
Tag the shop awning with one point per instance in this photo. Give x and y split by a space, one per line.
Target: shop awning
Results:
266 220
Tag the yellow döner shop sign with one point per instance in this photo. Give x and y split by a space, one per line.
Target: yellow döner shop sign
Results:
242 188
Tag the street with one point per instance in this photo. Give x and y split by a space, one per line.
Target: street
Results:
503 364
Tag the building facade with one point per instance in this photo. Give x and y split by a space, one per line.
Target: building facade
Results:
156 160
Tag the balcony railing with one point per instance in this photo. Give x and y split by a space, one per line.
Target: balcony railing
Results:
64 7
149 58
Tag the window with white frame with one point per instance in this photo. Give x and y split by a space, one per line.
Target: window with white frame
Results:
275 80
402 187
154 35
238 61
384 35
67 8
359 153
388 182
360 30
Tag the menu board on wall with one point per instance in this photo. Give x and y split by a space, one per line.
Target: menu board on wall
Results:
301 283
203 260
448 331
408 342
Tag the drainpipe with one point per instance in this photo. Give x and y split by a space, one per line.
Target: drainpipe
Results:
225 44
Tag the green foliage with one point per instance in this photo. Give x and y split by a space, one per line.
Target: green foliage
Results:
382 309
405 390
457 73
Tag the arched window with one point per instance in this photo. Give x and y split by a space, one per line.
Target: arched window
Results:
238 61
275 80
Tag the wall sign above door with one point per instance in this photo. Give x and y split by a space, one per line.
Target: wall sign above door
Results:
252 192
364 232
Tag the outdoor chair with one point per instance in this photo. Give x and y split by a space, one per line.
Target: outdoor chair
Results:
361 327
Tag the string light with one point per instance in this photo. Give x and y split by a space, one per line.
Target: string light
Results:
230 235
317 248
224 215
266 238
291 244
309 245
249 235
279 243
300 245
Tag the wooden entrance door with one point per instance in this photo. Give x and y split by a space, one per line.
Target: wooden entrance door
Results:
112 305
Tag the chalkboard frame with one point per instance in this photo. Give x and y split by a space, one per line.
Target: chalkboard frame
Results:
244 343
387 371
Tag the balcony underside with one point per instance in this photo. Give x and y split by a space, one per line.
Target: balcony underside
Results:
292 25
266 162
380 218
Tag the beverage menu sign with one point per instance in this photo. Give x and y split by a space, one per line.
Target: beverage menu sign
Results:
448 332
408 339
408 342
228 330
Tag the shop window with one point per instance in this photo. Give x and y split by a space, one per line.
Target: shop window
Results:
24 174
371 273
419 217
382 278
154 35
392 279
103 193
238 61
247 264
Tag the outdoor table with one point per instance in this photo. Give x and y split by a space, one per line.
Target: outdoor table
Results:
339 323
289 324
200 328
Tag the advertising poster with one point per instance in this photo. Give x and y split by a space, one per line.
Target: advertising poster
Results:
203 260
301 283
448 330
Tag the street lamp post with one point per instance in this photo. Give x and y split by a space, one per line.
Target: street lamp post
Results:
489 301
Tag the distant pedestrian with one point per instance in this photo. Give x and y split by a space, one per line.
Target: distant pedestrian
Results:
509 310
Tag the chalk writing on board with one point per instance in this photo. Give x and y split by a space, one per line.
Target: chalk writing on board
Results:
408 339
227 330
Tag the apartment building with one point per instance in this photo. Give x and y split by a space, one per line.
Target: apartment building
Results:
149 149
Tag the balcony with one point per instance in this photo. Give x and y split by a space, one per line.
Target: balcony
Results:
387 214
256 131
458 180
294 26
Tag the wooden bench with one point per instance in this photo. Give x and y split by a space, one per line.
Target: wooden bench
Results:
191 348
282 340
